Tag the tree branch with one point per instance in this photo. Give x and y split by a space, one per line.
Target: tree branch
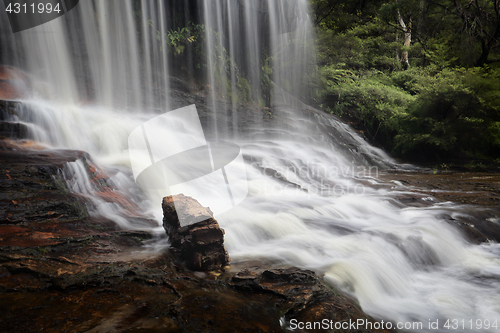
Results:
318 21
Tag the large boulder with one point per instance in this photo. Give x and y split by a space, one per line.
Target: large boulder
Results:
199 245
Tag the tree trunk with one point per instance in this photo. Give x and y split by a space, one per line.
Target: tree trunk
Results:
406 42
485 51
397 49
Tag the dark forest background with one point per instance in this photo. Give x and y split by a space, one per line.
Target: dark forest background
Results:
419 78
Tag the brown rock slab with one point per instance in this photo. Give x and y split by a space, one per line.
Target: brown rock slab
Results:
199 245
30 186
303 297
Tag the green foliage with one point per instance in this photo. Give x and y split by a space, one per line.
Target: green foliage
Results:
455 113
228 80
178 39
193 36
367 46
340 15
441 107
265 81
244 90
368 101
422 114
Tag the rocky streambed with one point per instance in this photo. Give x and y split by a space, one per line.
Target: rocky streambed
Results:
63 269
478 194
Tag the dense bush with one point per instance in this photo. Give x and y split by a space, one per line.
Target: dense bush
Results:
368 46
441 107
421 114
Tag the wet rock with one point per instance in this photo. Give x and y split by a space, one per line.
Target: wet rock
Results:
80 274
31 190
199 245
416 200
479 222
55 290
8 110
303 297
479 227
460 187
13 130
14 84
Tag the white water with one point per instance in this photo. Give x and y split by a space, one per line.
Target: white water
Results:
403 263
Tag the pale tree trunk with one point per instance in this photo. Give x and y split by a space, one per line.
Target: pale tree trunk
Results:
397 50
406 42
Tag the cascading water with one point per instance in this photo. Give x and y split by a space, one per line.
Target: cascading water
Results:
314 197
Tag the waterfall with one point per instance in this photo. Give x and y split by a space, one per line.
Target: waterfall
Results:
97 53
315 199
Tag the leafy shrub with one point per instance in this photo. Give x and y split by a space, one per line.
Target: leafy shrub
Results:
422 114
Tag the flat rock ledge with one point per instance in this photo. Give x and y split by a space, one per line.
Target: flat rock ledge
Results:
199 245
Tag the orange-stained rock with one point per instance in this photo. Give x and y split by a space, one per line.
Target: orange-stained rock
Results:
14 84
100 180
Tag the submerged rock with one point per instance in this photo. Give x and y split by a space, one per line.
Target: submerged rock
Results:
199 245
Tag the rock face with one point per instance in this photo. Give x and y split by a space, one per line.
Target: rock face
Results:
200 245
10 127
14 84
30 187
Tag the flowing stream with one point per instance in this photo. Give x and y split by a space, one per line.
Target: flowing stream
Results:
314 198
